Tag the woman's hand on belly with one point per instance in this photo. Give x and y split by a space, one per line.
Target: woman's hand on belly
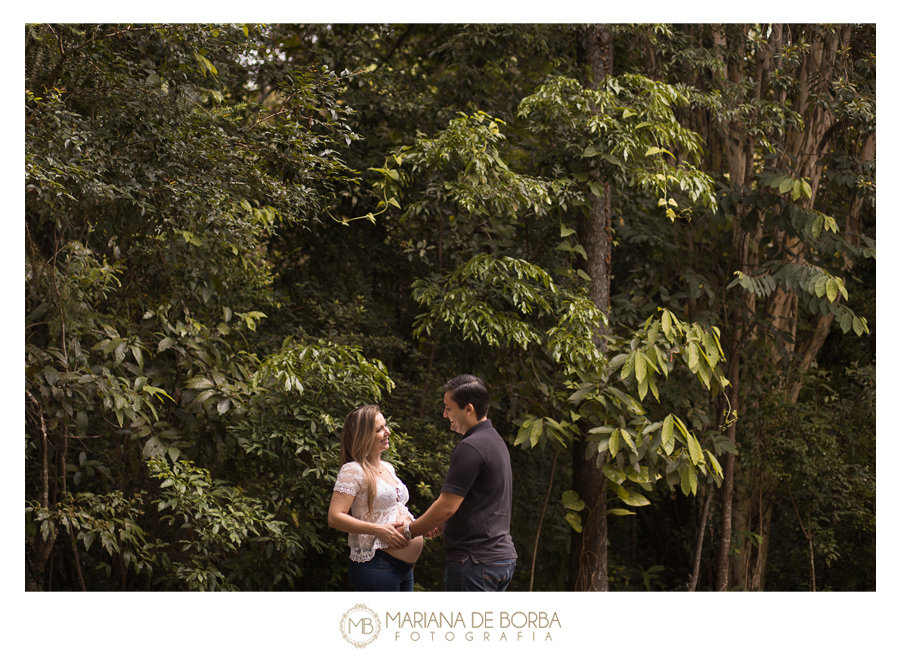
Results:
416 544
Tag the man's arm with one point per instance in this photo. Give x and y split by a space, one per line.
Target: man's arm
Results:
441 510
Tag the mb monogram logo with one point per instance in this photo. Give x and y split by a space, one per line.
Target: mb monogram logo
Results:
360 626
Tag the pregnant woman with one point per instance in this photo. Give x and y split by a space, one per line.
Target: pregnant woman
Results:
367 501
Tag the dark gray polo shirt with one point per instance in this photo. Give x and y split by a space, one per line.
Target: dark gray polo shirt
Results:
480 472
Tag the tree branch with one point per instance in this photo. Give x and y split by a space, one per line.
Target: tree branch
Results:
537 535
399 41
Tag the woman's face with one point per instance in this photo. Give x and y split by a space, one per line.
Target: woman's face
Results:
381 442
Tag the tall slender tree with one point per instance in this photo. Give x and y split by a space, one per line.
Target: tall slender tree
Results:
588 568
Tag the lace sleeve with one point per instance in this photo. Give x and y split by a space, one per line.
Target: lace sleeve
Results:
349 479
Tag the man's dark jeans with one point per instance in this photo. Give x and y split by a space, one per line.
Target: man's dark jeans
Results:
470 576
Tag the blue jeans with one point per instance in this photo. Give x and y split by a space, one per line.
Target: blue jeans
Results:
470 576
383 573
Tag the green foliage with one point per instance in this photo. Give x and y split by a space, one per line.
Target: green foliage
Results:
628 130
224 540
105 528
489 300
821 464
799 226
154 180
201 312
628 442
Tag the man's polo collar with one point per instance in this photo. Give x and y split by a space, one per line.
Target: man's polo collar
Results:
483 424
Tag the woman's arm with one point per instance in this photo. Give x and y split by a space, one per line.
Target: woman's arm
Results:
339 518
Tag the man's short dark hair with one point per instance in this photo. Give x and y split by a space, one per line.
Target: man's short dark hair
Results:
469 389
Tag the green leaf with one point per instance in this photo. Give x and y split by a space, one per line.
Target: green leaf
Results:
51 375
614 442
81 422
627 438
614 365
629 497
613 474
694 448
165 344
571 500
574 520
667 324
846 322
640 367
693 356
629 366
641 476
524 432
205 64
138 356
653 388
688 479
612 159
661 360
603 429
832 289
818 223
668 434
536 430
821 286
119 352
642 388
199 382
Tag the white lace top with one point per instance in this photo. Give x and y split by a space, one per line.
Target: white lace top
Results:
385 506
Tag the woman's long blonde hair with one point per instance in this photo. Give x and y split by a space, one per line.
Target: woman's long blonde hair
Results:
356 445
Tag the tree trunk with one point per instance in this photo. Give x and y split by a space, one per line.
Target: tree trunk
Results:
752 514
42 548
727 492
745 256
587 560
698 551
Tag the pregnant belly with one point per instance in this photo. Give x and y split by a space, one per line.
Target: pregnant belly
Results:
410 553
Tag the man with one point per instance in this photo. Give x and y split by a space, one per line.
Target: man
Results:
475 505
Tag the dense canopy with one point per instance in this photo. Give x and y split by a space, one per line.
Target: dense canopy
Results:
655 243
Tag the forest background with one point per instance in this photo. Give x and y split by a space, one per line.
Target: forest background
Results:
236 234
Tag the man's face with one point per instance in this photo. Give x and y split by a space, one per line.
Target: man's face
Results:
460 419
